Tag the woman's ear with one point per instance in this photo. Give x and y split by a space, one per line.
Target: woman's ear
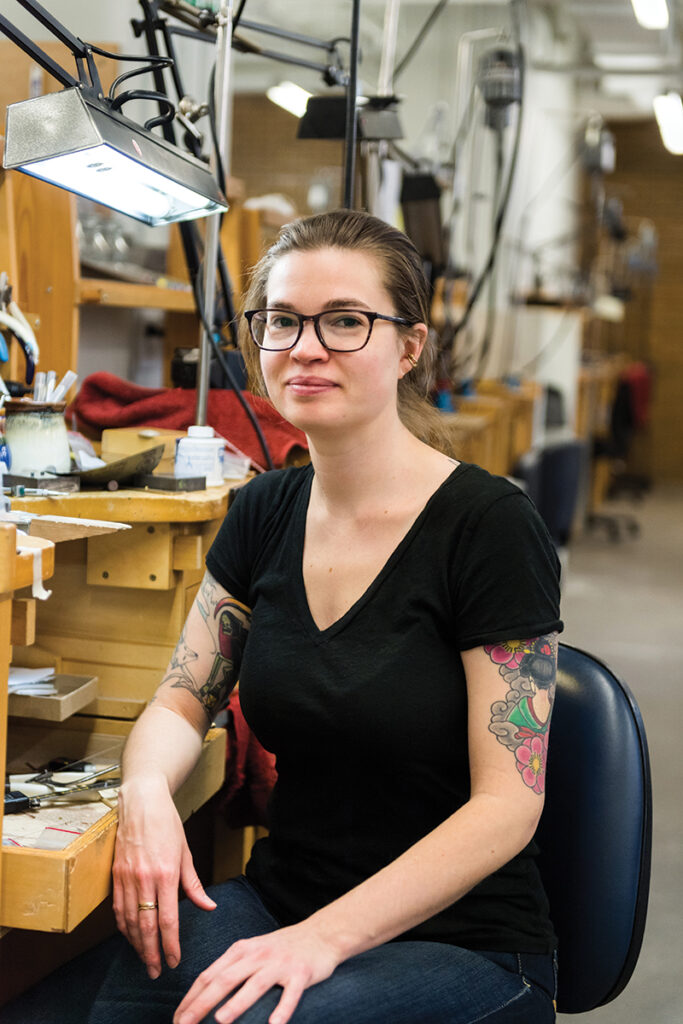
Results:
413 343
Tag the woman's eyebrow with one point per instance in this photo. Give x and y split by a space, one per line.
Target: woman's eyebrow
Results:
346 304
330 304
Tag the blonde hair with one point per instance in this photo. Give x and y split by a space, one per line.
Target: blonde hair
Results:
400 268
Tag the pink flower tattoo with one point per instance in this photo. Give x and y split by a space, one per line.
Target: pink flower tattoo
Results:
508 654
531 758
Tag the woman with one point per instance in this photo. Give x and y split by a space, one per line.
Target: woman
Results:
359 600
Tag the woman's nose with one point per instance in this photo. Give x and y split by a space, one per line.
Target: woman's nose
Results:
309 345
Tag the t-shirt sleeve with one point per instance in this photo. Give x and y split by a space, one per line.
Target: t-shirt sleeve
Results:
229 559
508 580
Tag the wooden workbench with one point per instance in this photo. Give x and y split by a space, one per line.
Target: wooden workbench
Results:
53 901
120 600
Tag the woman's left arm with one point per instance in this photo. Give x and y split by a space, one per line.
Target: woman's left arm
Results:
510 688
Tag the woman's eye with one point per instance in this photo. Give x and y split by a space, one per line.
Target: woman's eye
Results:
347 321
281 323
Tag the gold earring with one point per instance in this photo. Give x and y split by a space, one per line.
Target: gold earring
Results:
411 359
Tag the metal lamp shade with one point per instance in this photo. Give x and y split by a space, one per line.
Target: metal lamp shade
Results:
76 143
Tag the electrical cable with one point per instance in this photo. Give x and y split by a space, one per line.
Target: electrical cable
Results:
351 125
163 62
500 216
211 103
491 310
415 45
211 335
147 94
150 57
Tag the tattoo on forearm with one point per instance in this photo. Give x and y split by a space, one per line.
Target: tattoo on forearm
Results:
521 721
232 620
207 597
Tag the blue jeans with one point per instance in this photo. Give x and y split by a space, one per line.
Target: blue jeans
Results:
410 982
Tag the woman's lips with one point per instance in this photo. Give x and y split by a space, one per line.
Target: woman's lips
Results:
310 385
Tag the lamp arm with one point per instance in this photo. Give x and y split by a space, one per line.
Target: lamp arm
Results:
203 20
330 72
292 37
39 56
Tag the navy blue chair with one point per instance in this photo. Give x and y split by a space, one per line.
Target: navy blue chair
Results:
595 834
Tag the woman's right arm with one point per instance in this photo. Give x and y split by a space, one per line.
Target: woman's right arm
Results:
152 856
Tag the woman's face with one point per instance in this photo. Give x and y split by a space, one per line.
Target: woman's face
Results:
318 390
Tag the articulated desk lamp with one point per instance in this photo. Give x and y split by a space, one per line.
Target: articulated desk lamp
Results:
80 140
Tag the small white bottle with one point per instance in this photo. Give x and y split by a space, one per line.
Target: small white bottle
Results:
201 453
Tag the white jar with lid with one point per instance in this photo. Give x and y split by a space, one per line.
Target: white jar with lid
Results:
201 453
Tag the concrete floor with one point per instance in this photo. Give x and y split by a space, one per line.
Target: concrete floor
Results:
624 602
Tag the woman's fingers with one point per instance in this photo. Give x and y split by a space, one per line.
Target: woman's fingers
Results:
192 887
148 932
250 992
290 958
152 857
167 920
212 986
288 1003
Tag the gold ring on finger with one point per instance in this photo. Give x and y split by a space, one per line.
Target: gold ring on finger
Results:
148 905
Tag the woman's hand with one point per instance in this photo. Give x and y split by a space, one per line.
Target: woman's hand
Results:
151 859
293 958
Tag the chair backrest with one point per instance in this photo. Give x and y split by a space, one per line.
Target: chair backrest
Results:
595 833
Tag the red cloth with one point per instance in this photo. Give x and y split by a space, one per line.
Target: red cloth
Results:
249 773
106 401
639 380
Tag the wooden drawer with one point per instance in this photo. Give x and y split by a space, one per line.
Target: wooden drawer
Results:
54 890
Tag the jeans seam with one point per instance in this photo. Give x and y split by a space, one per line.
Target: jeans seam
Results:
497 1009
521 971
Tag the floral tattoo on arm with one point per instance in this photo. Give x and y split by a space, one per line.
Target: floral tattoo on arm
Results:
228 622
521 721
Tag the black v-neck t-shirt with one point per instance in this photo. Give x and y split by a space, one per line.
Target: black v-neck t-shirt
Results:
368 718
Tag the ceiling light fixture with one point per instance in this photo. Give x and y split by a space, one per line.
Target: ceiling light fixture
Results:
290 97
669 114
653 14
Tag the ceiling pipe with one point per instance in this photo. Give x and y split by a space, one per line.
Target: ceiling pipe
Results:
584 70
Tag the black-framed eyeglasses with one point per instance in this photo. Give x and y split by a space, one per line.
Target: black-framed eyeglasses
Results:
338 330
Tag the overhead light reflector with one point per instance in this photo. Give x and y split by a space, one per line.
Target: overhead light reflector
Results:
669 114
73 142
290 97
651 13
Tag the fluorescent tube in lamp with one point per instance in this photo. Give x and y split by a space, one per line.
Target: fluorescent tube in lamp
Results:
669 113
651 13
290 97
76 143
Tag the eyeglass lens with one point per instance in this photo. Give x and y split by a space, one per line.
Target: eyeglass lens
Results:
341 329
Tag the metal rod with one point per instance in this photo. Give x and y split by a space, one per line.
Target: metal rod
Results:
283 33
38 55
385 82
299 62
223 129
242 46
351 116
375 152
192 33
